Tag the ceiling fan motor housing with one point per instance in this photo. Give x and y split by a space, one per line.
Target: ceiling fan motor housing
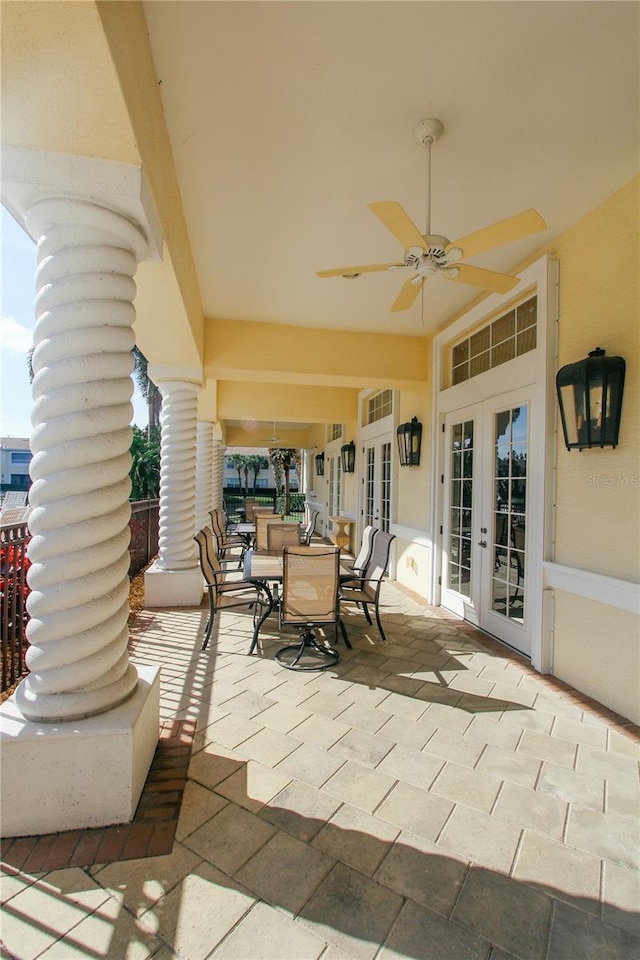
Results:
427 260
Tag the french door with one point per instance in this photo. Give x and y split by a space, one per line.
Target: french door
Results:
376 503
334 484
485 547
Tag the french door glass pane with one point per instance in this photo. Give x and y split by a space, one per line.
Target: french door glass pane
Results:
385 512
369 500
510 499
458 572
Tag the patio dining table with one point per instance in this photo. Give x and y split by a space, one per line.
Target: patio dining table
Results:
245 530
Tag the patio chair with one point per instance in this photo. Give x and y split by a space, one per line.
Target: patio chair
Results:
250 508
226 541
309 601
311 514
223 593
359 564
364 589
280 535
261 521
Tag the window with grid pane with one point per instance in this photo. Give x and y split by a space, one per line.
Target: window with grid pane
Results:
509 336
379 406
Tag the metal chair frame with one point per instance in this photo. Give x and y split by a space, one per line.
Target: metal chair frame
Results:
222 593
307 531
359 565
304 566
226 541
366 588
282 534
262 520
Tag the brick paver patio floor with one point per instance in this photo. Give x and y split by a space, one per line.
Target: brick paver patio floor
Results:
429 798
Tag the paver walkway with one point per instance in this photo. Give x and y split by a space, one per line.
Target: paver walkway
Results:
428 798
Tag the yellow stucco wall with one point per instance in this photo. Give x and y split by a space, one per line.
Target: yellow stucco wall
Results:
597 651
596 646
414 557
597 514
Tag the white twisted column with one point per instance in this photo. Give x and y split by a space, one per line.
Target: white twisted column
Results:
204 472
176 547
218 474
82 388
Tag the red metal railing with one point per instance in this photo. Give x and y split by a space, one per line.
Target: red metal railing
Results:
13 601
14 589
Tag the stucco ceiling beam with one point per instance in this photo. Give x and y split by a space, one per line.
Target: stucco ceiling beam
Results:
285 403
267 352
238 436
126 33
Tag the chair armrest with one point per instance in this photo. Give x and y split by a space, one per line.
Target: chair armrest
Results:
224 577
360 583
351 579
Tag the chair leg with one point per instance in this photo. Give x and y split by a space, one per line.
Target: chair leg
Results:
347 642
365 607
259 620
209 626
379 622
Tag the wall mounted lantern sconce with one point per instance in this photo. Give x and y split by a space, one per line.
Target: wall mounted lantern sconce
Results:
409 436
590 400
320 465
348 456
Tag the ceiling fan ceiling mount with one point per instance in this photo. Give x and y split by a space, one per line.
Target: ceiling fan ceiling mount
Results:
426 254
428 131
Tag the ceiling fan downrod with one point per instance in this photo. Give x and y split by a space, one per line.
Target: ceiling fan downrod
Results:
426 133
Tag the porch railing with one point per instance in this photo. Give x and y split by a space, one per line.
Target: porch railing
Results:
144 525
14 589
13 601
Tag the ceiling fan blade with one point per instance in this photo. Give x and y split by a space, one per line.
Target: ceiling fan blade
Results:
504 231
397 220
478 277
351 271
407 296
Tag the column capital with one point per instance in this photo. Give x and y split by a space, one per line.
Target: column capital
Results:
30 176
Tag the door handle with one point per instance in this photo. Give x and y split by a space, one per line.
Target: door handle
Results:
482 543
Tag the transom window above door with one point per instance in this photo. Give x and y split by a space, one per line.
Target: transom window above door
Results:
506 337
335 431
378 406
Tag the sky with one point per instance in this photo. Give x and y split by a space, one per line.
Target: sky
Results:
17 286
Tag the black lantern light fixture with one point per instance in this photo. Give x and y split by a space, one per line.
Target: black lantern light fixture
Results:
348 457
590 400
409 436
320 465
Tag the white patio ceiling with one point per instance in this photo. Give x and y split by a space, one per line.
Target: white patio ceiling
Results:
287 118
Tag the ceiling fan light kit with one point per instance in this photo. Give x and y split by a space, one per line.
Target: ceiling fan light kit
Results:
428 254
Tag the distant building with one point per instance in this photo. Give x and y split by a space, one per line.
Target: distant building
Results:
15 457
265 479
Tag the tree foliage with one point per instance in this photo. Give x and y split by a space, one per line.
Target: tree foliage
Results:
145 463
282 459
147 387
246 463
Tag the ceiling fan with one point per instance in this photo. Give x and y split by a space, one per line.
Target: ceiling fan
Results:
274 440
428 254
